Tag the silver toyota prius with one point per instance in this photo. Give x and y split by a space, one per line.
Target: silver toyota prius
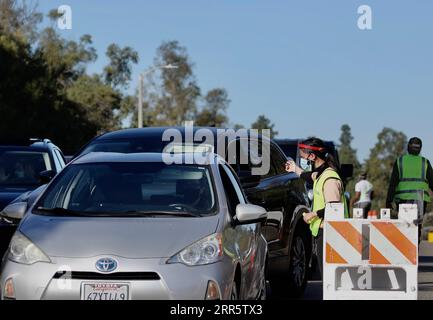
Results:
117 226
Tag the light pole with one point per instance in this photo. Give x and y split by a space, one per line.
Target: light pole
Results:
140 89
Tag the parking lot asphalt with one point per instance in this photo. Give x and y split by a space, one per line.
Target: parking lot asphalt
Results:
425 277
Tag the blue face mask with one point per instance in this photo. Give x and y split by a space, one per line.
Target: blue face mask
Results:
305 164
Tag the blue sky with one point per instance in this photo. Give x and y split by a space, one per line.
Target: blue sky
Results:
304 64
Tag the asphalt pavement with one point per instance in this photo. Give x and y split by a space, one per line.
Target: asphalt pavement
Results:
425 277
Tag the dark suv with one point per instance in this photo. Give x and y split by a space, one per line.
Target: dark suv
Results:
24 166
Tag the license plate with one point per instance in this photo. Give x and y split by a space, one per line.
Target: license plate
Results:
105 291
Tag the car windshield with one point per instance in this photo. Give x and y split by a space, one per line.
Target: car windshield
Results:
22 168
129 189
150 144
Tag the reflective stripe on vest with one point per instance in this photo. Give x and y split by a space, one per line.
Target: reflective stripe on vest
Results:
319 201
413 183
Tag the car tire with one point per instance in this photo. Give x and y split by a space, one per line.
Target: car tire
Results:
300 252
294 280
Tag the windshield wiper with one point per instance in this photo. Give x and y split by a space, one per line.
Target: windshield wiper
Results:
146 213
61 211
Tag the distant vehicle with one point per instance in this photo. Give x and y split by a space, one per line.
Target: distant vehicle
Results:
129 226
282 194
24 166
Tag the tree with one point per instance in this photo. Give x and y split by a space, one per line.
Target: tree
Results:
264 123
176 102
101 101
31 104
391 144
348 155
43 88
118 71
19 19
214 111
66 60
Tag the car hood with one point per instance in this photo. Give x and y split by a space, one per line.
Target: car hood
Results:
7 195
73 237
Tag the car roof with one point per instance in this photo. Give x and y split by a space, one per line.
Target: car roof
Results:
32 144
158 131
296 141
40 148
106 157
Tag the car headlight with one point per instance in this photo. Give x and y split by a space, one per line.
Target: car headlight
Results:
22 250
206 251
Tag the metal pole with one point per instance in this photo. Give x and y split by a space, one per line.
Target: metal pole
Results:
140 101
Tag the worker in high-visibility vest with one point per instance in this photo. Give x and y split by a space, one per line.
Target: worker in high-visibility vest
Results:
328 187
411 180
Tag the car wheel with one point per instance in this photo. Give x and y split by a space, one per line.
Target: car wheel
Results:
300 252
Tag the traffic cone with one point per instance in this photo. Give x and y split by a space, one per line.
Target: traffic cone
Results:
372 215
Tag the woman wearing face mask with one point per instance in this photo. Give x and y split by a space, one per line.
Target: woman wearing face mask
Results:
328 187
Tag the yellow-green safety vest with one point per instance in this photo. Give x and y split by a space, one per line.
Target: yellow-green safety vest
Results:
413 184
319 201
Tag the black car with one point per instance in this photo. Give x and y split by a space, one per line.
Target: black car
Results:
24 166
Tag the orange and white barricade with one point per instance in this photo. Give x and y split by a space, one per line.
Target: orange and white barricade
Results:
368 259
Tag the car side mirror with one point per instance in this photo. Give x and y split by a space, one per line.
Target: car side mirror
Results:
248 180
249 214
46 176
15 211
347 171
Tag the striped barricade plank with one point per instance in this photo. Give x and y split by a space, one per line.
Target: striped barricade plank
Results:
344 242
393 244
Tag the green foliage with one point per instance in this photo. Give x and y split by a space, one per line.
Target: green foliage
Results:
264 123
176 100
31 104
66 60
390 145
118 71
214 111
19 20
348 156
45 90
100 101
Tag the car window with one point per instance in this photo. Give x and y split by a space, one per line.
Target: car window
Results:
149 144
278 161
236 184
290 150
233 196
248 154
122 188
57 163
61 158
22 168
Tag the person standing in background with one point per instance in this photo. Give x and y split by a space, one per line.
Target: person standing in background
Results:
411 180
363 195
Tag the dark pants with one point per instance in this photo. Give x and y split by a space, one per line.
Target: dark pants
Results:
319 251
364 205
